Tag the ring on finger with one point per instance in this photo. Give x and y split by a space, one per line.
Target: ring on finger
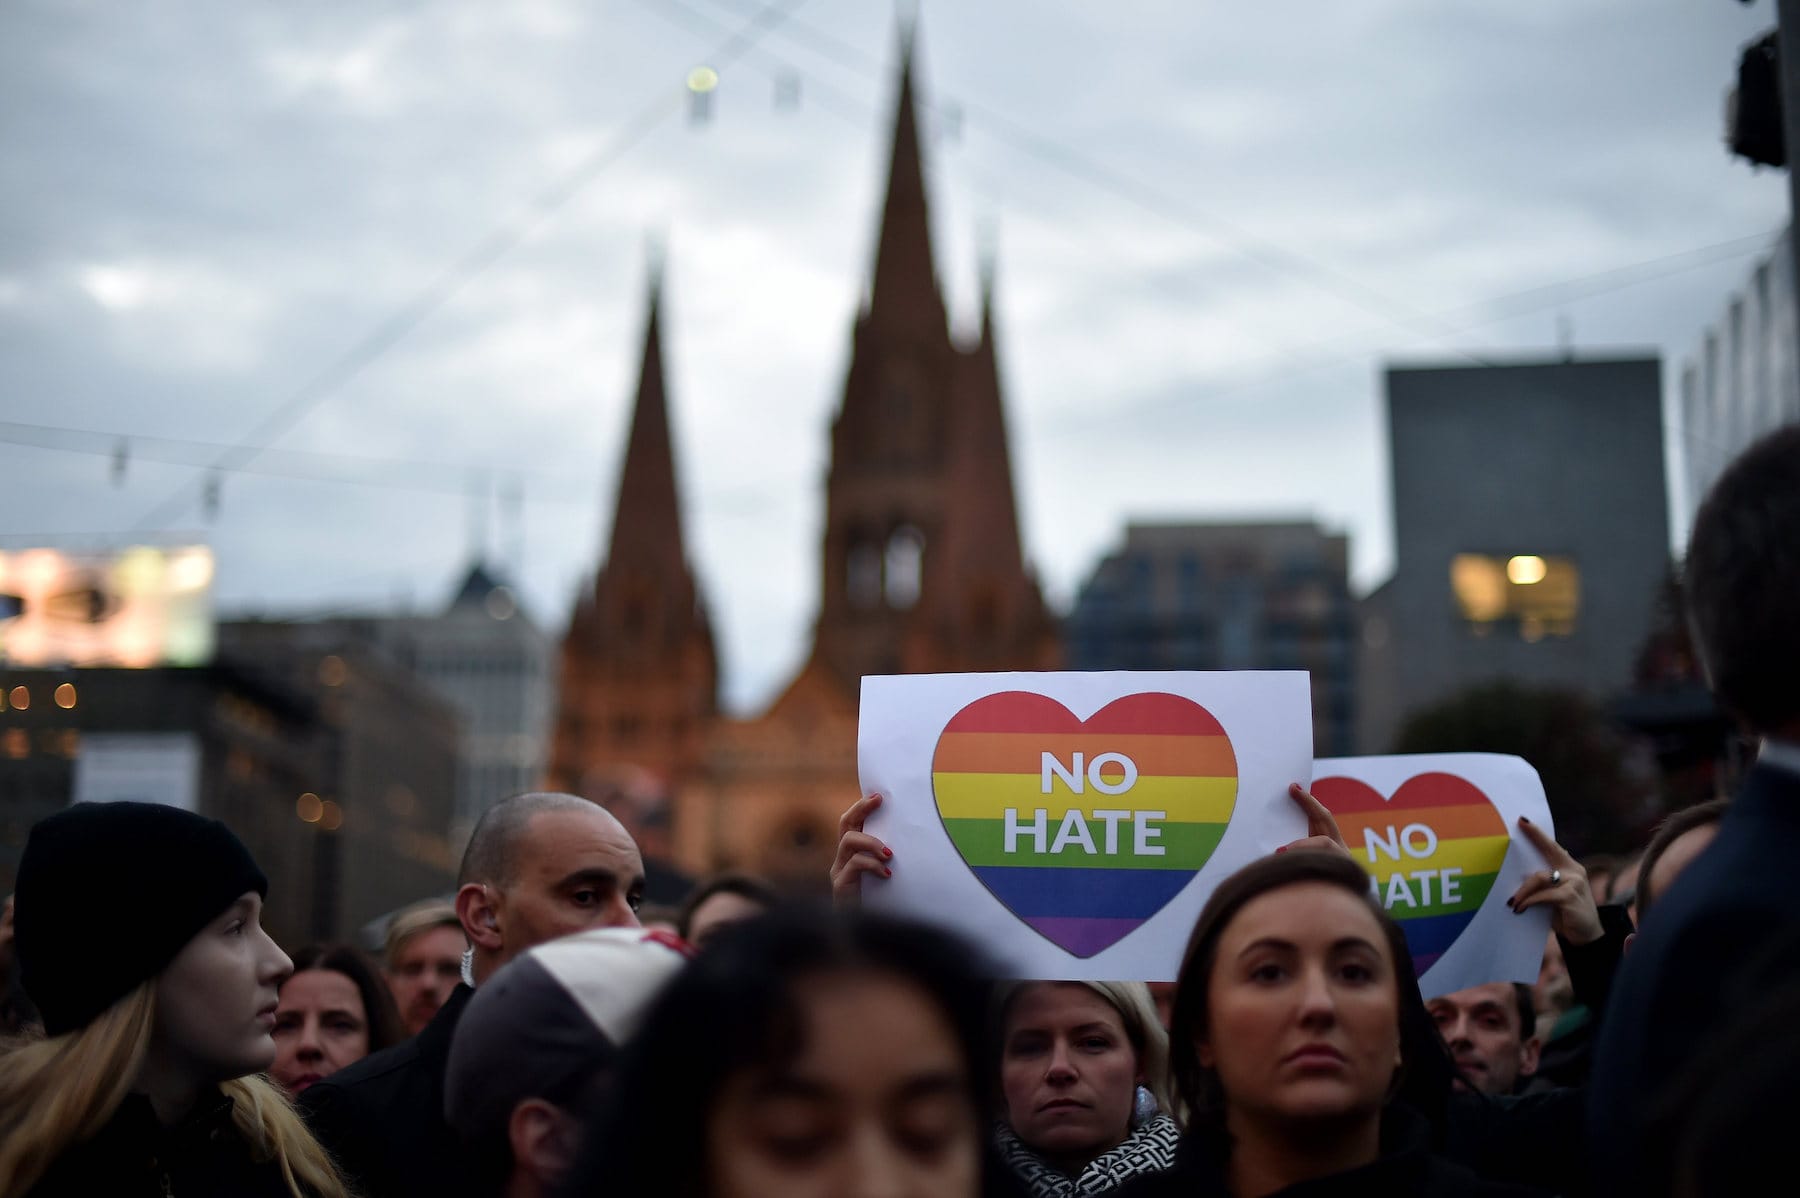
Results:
1555 877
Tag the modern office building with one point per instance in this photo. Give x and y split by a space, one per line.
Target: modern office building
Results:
1746 379
1530 532
1240 596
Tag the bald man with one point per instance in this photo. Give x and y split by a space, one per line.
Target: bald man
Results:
538 866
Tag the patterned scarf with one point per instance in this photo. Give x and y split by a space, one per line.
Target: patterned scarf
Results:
1150 1148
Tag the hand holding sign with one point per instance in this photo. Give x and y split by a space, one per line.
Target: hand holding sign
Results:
1575 916
858 853
1072 824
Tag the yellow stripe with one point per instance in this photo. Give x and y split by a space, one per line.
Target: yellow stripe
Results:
987 796
1471 854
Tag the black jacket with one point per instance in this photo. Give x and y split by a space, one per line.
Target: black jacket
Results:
1735 899
203 1156
382 1118
1406 1169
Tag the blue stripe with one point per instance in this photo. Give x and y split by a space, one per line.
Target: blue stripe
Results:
1083 893
1434 933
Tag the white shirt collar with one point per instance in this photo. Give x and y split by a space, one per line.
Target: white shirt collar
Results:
1782 754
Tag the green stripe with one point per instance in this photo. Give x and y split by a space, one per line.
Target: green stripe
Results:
1185 846
1471 890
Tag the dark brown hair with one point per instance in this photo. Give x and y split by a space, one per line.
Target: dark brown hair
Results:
1678 824
745 886
379 1011
1419 1042
1741 576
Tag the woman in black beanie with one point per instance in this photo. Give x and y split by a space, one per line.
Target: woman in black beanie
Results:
138 937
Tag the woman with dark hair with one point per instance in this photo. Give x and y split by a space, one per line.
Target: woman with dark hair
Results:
1296 1037
334 1011
802 1054
720 900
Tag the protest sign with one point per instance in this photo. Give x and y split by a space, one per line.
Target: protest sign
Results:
1073 824
1437 833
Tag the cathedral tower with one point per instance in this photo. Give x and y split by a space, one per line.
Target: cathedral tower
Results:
639 676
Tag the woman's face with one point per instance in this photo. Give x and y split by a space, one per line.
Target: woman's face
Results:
320 1027
216 1001
1068 1071
1304 1011
878 1100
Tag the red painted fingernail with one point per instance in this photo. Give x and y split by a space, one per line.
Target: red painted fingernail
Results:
1282 849
887 852
887 873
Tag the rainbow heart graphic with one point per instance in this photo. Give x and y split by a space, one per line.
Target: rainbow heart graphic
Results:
1084 829
1433 850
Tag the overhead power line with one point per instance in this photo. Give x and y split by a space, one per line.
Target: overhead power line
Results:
471 265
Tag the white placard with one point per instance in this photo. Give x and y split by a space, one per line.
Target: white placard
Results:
1102 807
1432 828
144 767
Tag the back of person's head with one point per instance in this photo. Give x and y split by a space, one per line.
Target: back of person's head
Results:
742 1014
1741 576
101 1002
1649 879
536 1045
721 899
1425 1074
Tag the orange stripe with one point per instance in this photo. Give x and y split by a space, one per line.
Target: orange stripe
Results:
1023 753
1450 823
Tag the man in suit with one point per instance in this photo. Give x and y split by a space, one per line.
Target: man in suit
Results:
1679 984
538 866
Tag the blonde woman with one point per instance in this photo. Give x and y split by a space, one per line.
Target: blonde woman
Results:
1084 1086
139 938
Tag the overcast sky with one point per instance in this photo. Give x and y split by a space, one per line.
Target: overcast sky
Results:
416 231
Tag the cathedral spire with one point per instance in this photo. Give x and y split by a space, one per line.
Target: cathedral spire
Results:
904 295
647 518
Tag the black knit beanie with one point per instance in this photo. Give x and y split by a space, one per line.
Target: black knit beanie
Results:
108 893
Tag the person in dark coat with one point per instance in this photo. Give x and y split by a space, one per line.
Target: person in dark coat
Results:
1296 1023
1743 592
538 866
157 1019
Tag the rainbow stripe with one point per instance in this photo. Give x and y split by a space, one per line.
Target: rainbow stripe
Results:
1470 838
1096 888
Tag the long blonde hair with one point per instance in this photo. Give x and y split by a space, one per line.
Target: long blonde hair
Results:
58 1092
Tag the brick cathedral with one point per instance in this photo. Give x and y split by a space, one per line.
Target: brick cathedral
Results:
922 571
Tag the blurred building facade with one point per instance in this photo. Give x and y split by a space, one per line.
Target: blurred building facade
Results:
387 764
1236 596
1746 380
1530 532
922 570
483 656
294 772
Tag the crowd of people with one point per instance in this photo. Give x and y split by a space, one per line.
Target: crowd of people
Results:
540 1035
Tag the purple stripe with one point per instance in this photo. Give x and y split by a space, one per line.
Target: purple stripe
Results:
1083 937
1424 961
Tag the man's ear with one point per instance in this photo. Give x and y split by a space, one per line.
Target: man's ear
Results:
477 906
1529 1053
544 1139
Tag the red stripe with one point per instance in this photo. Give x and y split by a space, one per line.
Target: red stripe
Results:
1152 714
1349 795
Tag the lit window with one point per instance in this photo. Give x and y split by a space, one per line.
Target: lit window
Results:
905 567
1539 596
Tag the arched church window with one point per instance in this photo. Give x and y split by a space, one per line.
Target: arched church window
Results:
905 567
863 576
